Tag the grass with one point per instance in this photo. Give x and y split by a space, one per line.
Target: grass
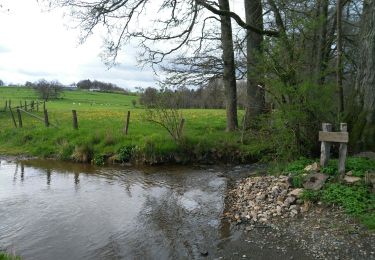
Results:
6 256
101 118
356 200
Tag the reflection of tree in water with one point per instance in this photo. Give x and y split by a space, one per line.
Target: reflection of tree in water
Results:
22 172
48 172
15 173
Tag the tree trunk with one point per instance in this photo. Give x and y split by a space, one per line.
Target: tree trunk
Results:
229 76
323 46
363 126
339 57
255 95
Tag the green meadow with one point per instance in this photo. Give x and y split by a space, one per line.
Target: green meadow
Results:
100 137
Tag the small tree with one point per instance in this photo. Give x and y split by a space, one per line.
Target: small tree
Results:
48 90
167 116
134 102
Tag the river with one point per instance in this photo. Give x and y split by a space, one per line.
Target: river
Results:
59 210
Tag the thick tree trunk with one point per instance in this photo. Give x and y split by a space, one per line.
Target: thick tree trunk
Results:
255 94
229 77
363 126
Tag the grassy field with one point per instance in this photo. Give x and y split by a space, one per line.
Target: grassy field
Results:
101 118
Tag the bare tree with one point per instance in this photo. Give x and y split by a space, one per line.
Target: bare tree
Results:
48 89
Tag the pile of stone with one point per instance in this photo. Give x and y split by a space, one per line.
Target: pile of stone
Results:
259 199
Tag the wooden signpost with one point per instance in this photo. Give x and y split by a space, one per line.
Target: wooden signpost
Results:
327 138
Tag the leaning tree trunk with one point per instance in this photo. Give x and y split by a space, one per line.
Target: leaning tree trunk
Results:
255 95
363 114
229 76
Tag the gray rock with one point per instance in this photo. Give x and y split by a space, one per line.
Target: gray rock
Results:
314 181
296 193
351 179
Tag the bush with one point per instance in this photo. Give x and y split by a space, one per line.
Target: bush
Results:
83 153
125 153
98 160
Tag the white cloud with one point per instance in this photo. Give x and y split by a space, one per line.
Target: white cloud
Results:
36 44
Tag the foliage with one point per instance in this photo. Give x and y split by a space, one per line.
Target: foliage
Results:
297 166
98 85
99 159
311 195
357 165
356 200
124 154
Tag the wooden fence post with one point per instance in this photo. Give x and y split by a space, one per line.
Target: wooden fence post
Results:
46 122
32 105
342 151
25 105
19 118
37 105
325 146
127 123
14 120
44 105
75 120
9 104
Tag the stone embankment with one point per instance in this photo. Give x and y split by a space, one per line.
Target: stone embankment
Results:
259 199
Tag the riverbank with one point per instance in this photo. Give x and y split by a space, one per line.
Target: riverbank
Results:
335 221
100 137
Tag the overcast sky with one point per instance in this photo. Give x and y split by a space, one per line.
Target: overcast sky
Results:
35 44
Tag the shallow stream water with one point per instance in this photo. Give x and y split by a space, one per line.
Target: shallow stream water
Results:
58 210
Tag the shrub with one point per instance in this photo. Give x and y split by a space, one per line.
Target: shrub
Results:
83 153
99 159
125 153
65 150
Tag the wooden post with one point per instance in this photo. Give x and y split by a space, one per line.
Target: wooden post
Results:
342 151
325 146
9 104
75 120
37 105
127 123
44 105
19 118
181 127
25 105
14 120
32 105
46 122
